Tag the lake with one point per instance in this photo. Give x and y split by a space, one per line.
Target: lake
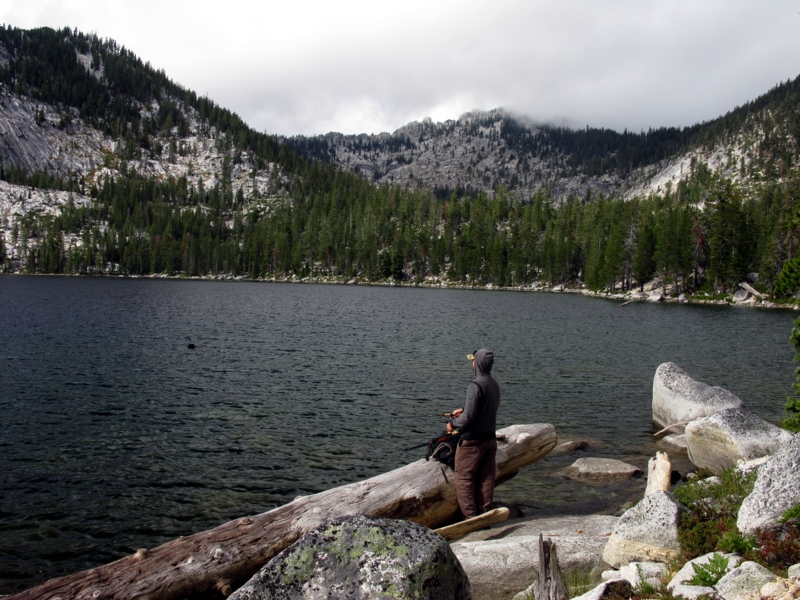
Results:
117 436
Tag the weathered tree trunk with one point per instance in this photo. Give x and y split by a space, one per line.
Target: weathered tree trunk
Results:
221 559
659 474
549 581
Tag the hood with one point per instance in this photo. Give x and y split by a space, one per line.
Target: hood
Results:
484 359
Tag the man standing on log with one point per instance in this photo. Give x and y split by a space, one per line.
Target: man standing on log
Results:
477 421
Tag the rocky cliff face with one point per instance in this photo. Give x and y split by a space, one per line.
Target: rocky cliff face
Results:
470 154
43 146
482 150
33 137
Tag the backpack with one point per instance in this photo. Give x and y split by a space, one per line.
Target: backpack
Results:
443 448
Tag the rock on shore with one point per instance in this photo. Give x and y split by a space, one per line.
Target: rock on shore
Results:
646 532
361 557
502 561
721 440
677 398
776 490
600 469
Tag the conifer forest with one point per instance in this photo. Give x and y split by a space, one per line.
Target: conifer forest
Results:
706 233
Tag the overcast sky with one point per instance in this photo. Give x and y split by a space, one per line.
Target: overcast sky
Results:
309 66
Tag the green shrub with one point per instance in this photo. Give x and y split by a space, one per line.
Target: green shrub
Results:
733 542
710 524
793 514
709 574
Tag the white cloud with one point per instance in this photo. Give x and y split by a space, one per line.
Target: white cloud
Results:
355 66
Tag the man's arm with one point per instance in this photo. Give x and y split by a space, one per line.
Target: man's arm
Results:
470 408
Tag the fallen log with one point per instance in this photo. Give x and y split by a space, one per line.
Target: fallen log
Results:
462 528
217 561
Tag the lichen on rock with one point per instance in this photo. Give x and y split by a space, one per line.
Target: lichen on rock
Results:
362 557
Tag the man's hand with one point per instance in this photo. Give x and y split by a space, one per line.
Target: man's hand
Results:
457 412
449 427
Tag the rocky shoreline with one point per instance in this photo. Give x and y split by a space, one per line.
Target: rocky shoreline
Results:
643 552
742 298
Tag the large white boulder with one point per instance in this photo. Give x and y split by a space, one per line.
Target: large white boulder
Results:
677 398
776 490
723 439
503 561
646 532
744 581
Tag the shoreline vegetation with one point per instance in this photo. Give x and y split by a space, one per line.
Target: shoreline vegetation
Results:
624 297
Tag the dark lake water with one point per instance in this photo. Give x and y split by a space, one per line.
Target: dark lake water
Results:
115 436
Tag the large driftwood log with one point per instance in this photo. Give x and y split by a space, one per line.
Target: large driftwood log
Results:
221 559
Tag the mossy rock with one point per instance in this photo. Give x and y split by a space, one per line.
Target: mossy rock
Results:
362 557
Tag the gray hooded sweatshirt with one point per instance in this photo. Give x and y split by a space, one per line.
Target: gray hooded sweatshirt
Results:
479 419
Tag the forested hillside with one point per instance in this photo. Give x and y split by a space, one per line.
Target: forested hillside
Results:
110 167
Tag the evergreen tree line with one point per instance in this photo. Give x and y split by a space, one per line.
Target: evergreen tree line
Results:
700 235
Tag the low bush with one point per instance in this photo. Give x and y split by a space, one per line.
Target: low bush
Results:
778 547
710 524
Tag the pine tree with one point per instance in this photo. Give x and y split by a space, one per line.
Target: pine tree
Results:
644 264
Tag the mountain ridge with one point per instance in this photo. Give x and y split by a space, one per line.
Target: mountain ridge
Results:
481 150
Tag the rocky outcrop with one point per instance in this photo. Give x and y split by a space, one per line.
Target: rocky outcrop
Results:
780 589
677 398
777 489
503 561
361 557
646 532
638 573
744 581
600 469
721 440
693 592
740 296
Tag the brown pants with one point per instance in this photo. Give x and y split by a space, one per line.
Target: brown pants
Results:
475 470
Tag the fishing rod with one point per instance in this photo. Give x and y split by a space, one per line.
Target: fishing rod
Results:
437 440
